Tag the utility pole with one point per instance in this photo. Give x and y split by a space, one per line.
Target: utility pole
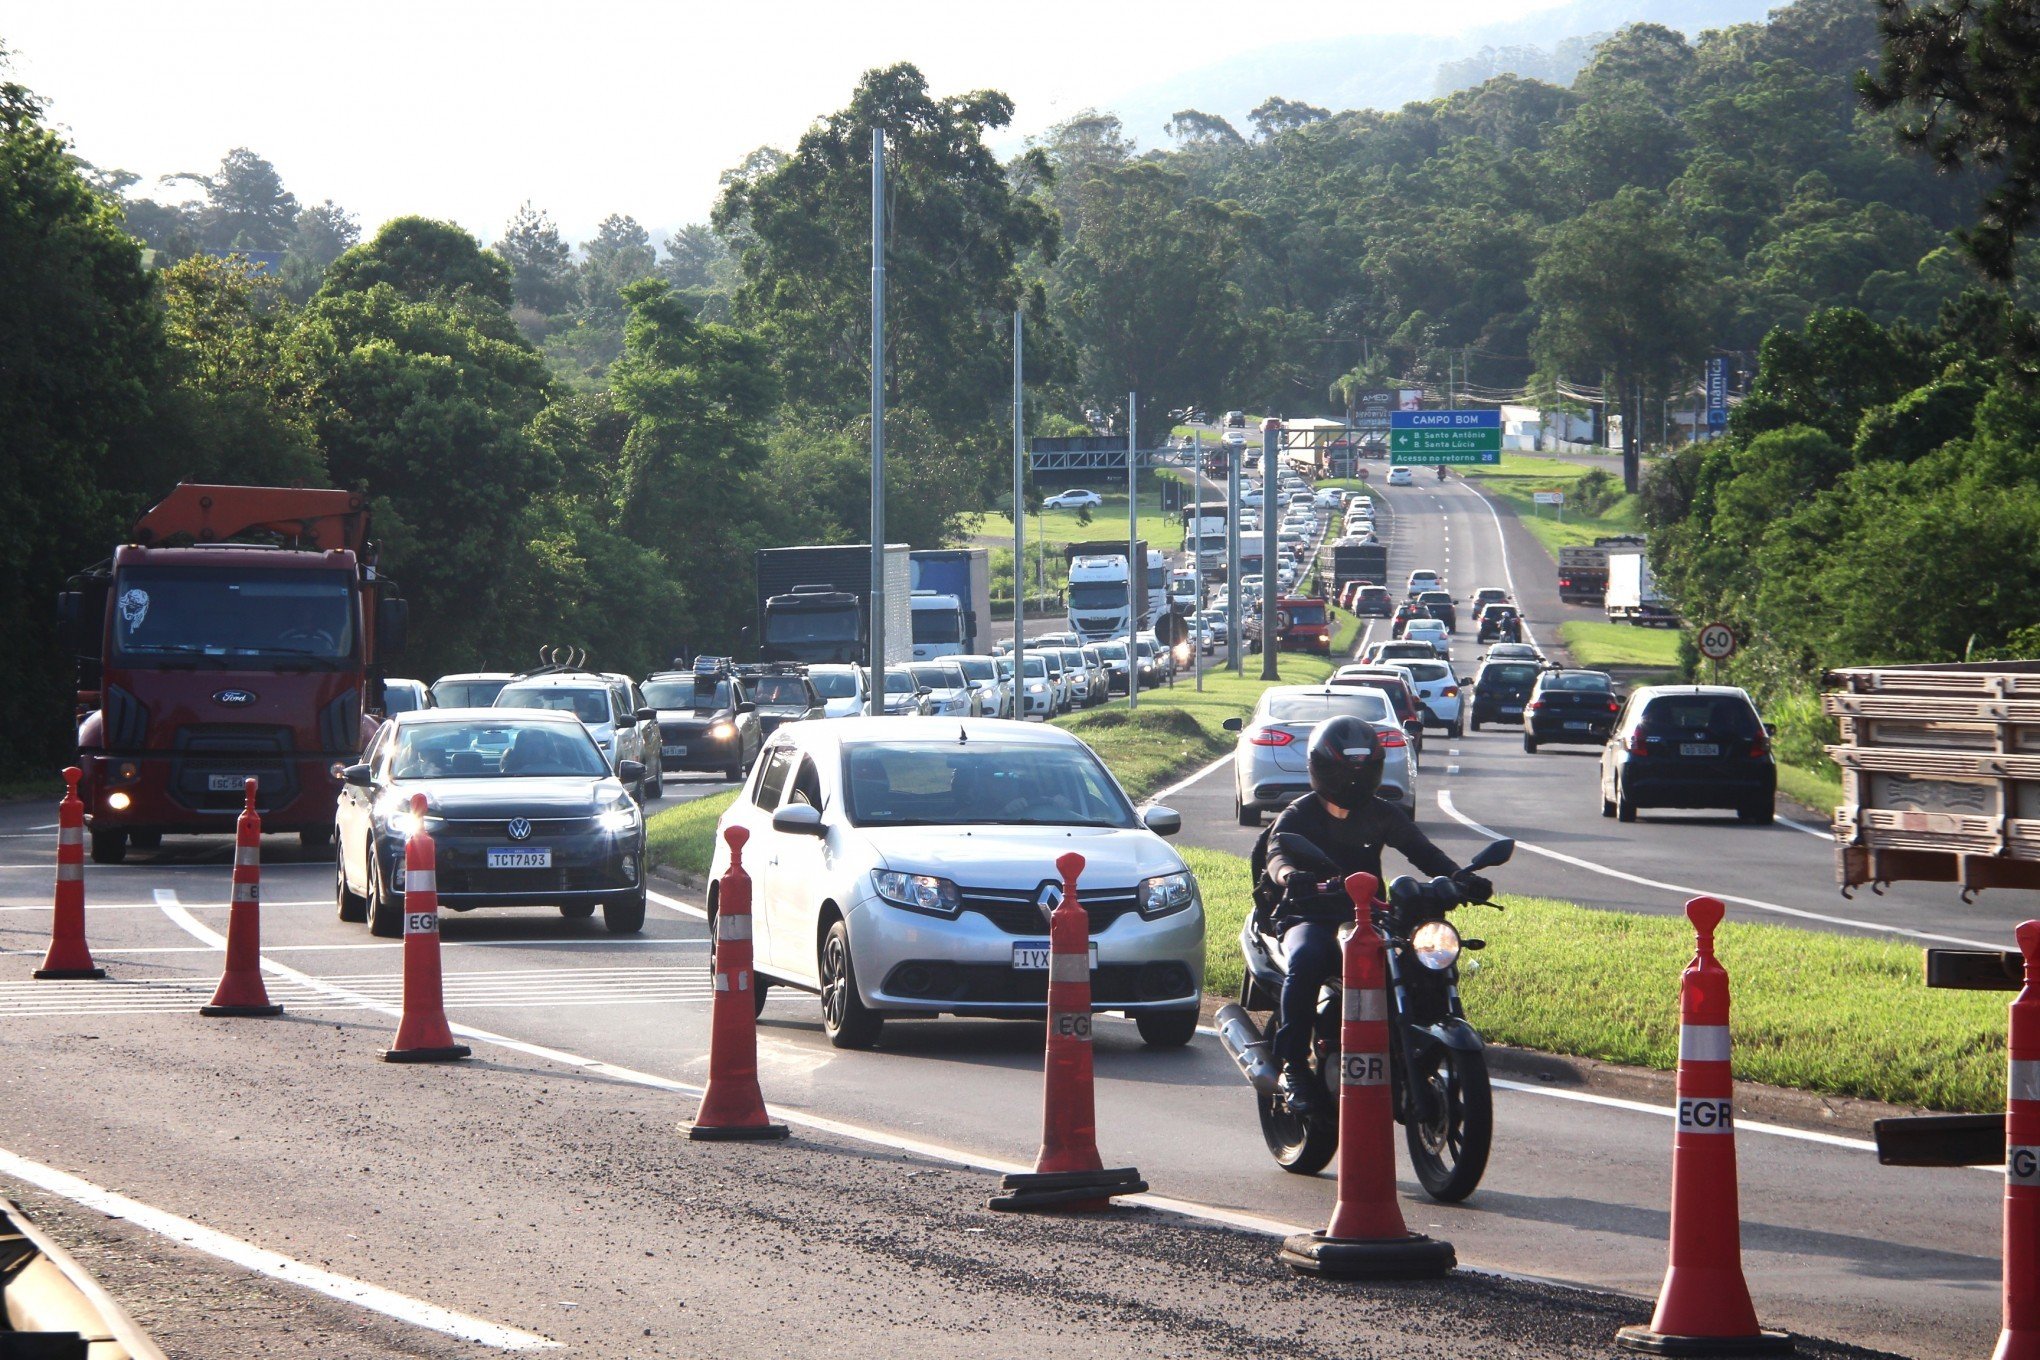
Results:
1136 561
1197 552
1019 533
1233 601
878 421
1271 440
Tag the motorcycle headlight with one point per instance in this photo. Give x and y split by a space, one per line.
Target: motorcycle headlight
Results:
1167 893
917 892
618 818
1436 945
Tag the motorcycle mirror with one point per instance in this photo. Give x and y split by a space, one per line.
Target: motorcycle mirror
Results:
1493 853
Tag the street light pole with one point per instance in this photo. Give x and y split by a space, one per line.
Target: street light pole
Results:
878 640
1136 561
1233 601
1271 440
1019 534
1197 553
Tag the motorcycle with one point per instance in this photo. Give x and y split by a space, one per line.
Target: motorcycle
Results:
1442 473
1437 1064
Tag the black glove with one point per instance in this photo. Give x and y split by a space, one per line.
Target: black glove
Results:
1474 888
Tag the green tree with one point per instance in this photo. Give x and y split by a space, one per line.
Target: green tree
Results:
620 253
423 260
1276 115
246 206
321 235
541 262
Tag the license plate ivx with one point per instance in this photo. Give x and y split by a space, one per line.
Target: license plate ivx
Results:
1032 955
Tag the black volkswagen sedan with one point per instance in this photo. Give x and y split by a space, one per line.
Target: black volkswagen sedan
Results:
1570 706
522 808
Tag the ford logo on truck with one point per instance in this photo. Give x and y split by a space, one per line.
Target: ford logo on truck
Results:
234 698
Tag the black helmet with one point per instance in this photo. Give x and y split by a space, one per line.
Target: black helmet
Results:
1346 759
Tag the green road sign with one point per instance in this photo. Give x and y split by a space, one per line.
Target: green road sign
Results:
1445 436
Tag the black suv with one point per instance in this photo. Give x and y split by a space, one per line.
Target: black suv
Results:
1689 746
1500 691
1439 602
1566 706
706 720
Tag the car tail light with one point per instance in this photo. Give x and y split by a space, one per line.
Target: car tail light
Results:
1270 736
1614 707
1452 691
1391 740
1535 703
1759 749
1637 745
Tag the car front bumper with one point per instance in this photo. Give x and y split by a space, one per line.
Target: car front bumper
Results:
588 866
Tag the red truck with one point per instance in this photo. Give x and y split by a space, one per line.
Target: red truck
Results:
236 634
1302 624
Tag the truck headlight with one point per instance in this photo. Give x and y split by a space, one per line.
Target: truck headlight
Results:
917 892
1167 893
118 801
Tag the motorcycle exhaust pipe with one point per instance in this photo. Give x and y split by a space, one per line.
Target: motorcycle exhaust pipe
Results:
1243 1040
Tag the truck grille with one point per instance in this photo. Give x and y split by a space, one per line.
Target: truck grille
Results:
238 752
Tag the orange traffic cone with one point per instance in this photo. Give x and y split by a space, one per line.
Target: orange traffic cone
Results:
1704 1307
2020 1337
422 1034
241 991
69 957
1068 1173
1367 1239
733 1108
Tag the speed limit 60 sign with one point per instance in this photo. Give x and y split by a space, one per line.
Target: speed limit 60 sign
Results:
1717 642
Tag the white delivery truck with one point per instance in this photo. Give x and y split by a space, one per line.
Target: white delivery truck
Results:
1632 595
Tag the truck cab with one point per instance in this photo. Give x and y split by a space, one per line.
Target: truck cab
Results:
814 624
1097 597
938 625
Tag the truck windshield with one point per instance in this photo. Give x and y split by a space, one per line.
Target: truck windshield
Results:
1306 615
222 615
937 625
816 625
1098 595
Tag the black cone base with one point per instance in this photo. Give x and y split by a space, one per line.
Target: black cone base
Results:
1026 1191
255 1012
736 1133
69 974
451 1053
1658 1343
1415 1257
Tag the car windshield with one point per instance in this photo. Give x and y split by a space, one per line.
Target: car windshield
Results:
1714 714
1514 676
984 783
401 699
467 693
834 684
812 625
1579 680
589 705
977 668
1112 651
1314 708
937 625
688 693
1306 613
900 682
781 691
1072 658
1097 594
189 616
1429 626
938 677
489 749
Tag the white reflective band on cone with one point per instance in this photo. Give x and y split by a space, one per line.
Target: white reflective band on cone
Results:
70 873
2024 1081
1069 967
722 982
1706 1114
736 927
421 880
247 892
2022 1165
246 856
1368 1004
1703 1043
70 835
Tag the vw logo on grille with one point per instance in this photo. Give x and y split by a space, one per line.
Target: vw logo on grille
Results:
519 829
1048 897
233 698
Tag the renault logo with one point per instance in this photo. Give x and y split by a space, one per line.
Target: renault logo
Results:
520 829
1048 897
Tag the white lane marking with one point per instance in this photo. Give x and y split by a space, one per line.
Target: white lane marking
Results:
103 953
91 906
277 1266
1755 904
674 904
1824 833
1670 1111
1508 576
1452 769
1172 790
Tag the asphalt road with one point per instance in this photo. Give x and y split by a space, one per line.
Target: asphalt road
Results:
544 1186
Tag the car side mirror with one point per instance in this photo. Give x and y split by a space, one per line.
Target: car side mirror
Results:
1414 728
358 776
630 771
648 715
392 626
1162 821
798 819
1770 729
1465 680
747 707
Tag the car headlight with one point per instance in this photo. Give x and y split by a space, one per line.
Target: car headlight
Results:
618 818
722 731
1036 687
1166 893
917 892
396 814
1436 945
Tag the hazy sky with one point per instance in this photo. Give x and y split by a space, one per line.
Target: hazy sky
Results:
465 110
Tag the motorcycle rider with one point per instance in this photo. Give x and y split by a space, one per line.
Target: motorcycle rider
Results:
1343 818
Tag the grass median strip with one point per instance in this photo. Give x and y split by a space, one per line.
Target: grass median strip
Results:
683 837
1600 645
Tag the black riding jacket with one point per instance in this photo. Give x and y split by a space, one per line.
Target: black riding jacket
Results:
1354 843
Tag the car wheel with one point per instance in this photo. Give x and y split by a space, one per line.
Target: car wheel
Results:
577 911
317 840
1456 731
385 913
1607 808
1166 1029
1474 724
655 781
1530 743
109 846
1757 813
624 915
845 1018
734 771
1625 810
351 907
1248 816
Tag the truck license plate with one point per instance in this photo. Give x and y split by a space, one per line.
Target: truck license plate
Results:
225 783
672 750
1698 748
1032 956
540 858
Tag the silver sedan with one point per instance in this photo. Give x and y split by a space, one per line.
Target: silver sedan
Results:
1270 768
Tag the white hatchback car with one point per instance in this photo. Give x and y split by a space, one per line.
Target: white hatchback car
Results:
1432 631
1401 476
906 868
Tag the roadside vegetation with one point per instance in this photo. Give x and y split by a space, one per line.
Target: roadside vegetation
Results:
1622 645
1595 504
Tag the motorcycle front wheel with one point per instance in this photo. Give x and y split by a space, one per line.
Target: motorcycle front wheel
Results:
1449 1150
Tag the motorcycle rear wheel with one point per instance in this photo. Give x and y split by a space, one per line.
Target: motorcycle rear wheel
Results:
1301 1145
1450 1150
